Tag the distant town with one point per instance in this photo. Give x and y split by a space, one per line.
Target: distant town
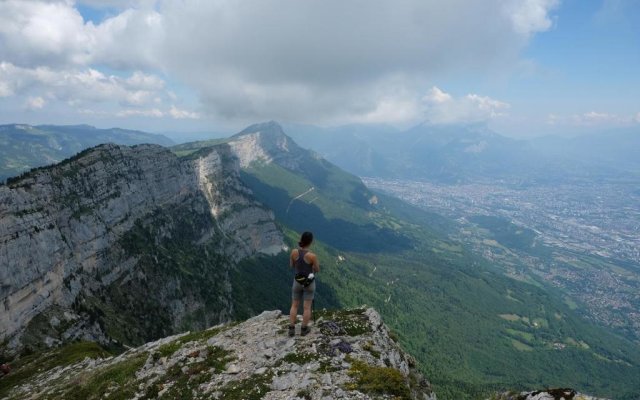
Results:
587 238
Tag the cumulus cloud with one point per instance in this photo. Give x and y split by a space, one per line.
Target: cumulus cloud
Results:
35 103
442 108
530 16
182 114
316 61
155 113
81 86
43 33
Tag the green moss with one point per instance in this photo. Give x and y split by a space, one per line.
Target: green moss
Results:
168 349
353 321
299 358
185 381
114 382
326 366
368 346
252 388
205 334
380 380
26 368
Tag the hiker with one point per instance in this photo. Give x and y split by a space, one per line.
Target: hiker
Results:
5 369
306 265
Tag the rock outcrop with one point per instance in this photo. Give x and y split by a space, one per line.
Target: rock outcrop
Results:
547 394
349 354
78 239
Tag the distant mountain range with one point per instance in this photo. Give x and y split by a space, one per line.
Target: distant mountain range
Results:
466 153
23 147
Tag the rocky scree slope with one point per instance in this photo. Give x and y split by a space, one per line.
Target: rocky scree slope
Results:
348 355
124 244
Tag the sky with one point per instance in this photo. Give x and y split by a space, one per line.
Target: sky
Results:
523 67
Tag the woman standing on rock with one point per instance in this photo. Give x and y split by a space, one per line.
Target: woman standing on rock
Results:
305 263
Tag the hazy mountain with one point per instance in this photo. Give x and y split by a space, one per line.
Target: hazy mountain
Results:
24 146
603 154
471 153
356 148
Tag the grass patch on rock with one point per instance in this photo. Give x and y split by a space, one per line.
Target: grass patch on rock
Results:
115 382
299 358
185 377
27 367
378 380
354 322
252 388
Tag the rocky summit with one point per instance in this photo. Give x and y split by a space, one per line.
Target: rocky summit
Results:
349 354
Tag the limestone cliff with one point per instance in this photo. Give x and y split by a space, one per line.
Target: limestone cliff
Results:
349 354
117 235
266 142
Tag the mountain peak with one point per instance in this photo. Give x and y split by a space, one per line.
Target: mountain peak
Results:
264 142
271 128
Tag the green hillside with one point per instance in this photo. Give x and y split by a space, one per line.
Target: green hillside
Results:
23 147
473 329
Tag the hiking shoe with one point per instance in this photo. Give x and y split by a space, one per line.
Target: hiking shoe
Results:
292 330
304 331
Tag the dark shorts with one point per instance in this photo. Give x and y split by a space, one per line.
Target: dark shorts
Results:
299 292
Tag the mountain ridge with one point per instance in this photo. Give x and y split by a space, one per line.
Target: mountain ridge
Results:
24 146
450 153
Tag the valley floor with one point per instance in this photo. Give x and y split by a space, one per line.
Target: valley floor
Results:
584 239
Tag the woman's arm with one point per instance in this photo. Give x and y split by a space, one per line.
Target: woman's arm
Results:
315 264
293 257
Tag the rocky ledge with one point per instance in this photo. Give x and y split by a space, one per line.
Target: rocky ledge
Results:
547 394
349 354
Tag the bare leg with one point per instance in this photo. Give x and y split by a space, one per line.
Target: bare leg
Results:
293 313
306 315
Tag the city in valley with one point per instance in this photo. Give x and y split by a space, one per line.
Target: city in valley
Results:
582 238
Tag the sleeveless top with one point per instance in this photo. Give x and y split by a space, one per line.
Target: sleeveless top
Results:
301 267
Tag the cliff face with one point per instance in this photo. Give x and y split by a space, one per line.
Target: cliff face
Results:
120 234
349 354
266 142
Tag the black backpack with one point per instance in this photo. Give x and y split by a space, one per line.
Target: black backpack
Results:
304 280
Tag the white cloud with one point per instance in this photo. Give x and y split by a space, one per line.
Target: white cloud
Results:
154 113
530 16
43 33
442 108
320 61
35 103
80 86
437 96
182 114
